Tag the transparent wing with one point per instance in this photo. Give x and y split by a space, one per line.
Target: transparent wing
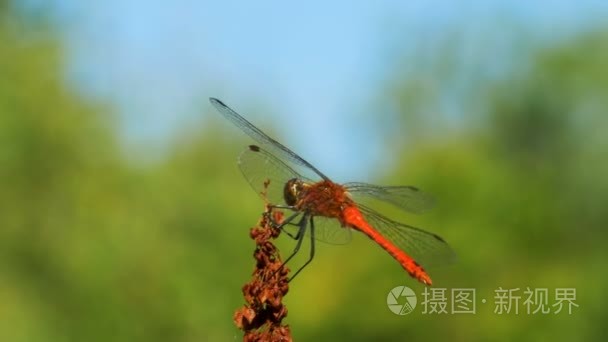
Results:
267 142
407 198
258 167
327 230
426 248
330 231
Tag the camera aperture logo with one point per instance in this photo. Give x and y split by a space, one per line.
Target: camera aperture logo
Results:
401 300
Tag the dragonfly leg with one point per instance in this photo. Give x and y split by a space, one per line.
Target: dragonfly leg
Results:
288 221
312 248
299 237
273 206
282 206
291 235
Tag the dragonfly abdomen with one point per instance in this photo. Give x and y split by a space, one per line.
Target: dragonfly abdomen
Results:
354 218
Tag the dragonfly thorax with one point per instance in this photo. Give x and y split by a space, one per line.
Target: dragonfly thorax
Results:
323 198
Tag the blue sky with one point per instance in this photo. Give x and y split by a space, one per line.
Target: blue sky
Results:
320 64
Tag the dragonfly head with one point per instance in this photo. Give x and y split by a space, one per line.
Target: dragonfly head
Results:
292 191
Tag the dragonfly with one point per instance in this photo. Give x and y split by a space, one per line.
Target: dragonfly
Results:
318 204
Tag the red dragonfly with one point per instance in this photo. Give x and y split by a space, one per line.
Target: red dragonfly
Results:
318 203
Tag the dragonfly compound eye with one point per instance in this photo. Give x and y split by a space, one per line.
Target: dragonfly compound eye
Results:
291 191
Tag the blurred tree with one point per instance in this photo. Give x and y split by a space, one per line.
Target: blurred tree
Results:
522 190
96 247
49 141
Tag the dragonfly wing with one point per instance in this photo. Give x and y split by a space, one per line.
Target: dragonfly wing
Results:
426 248
256 134
266 173
327 230
407 198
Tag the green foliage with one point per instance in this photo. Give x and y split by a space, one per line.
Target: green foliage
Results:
95 247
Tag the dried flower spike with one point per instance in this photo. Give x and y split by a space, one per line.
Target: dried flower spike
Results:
260 318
